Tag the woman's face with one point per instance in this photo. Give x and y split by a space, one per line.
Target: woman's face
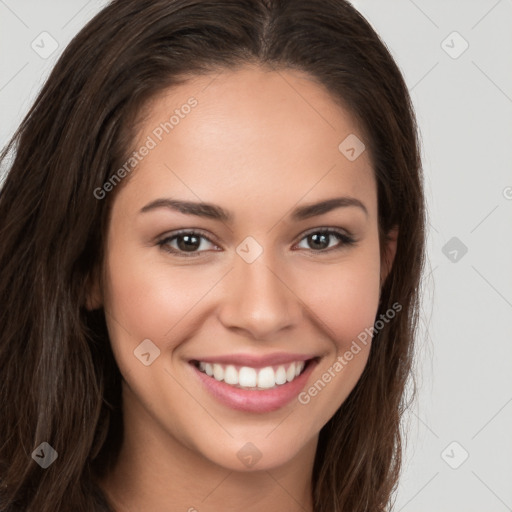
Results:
261 292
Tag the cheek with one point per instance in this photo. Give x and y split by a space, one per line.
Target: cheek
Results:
343 296
345 303
147 298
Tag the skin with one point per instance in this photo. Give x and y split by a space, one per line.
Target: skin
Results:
258 144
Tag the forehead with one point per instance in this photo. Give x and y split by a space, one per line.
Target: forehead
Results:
250 136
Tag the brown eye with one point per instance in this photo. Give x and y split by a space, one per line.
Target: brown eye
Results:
320 240
185 243
188 242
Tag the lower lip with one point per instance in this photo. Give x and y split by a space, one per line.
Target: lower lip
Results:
259 401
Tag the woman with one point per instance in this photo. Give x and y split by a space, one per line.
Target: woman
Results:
212 243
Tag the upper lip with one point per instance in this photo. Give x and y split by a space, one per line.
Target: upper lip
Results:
256 361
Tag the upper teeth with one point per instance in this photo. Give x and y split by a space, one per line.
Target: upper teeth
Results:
248 377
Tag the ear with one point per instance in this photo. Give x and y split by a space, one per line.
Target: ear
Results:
388 252
94 296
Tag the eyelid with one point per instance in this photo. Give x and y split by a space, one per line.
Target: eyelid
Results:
324 229
186 231
345 239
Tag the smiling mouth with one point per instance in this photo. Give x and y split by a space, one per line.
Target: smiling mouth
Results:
249 378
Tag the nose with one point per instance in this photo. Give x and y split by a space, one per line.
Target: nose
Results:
259 300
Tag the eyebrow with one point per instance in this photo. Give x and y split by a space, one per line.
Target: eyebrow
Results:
215 212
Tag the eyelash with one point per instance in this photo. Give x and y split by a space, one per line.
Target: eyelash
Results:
345 241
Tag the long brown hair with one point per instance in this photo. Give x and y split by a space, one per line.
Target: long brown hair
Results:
60 383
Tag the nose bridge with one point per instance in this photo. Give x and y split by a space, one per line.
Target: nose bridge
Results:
257 298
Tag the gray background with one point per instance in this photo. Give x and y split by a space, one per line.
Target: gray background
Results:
463 101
